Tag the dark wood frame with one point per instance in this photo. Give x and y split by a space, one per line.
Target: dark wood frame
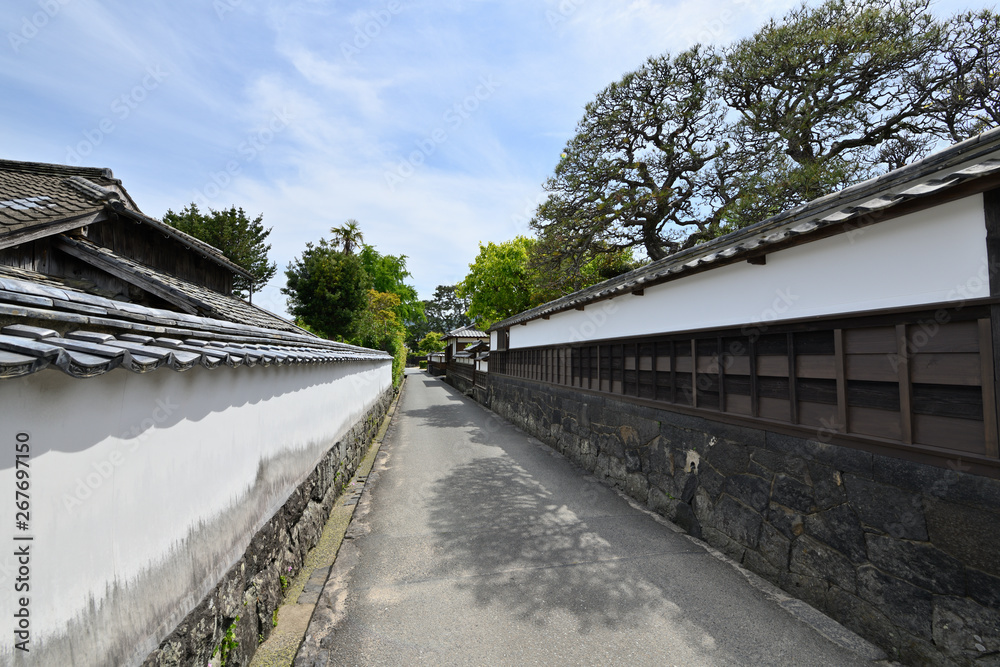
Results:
863 356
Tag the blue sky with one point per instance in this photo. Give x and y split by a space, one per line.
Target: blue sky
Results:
434 124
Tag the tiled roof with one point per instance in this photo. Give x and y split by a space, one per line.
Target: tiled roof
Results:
187 296
966 161
466 332
85 335
36 197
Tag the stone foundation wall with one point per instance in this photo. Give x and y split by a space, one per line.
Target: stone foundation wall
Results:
904 554
250 592
460 383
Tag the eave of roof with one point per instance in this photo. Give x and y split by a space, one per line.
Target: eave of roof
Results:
78 196
465 332
969 160
200 247
85 335
186 296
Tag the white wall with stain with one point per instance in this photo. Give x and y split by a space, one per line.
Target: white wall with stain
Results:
128 471
933 256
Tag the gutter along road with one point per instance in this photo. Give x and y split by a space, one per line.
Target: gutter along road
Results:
475 544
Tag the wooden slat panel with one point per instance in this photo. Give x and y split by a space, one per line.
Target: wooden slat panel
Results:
772 366
708 364
952 337
737 365
816 366
721 379
870 340
878 423
694 379
962 369
963 435
819 415
792 383
948 400
871 367
838 344
738 404
773 408
684 364
754 394
903 376
989 388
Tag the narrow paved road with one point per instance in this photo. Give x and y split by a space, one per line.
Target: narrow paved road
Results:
476 545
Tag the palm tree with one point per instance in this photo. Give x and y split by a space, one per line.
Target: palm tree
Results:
349 234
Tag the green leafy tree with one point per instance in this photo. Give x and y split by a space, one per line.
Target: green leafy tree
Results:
389 274
377 326
241 240
432 342
446 310
327 289
637 170
500 281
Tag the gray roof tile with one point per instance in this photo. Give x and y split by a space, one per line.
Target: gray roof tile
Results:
68 343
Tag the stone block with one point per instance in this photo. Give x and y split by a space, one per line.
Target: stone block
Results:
756 563
840 458
704 508
983 588
918 563
969 534
864 618
793 494
659 502
906 605
827 485
757 469
633 461
887 508
812 558
787 522
658 457
738 521
945 483
840 529
729 458
711 481
966 631
637 431
792 466
637 486
750 490
774 546
812 590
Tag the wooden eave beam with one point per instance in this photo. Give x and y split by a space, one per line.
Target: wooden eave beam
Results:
182 302
39 232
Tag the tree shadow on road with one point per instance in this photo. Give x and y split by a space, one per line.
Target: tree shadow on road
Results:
508 543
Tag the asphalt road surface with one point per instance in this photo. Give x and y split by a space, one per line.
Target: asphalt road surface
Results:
475 544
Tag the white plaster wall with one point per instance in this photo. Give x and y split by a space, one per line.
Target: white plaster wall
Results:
933 256
125 467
